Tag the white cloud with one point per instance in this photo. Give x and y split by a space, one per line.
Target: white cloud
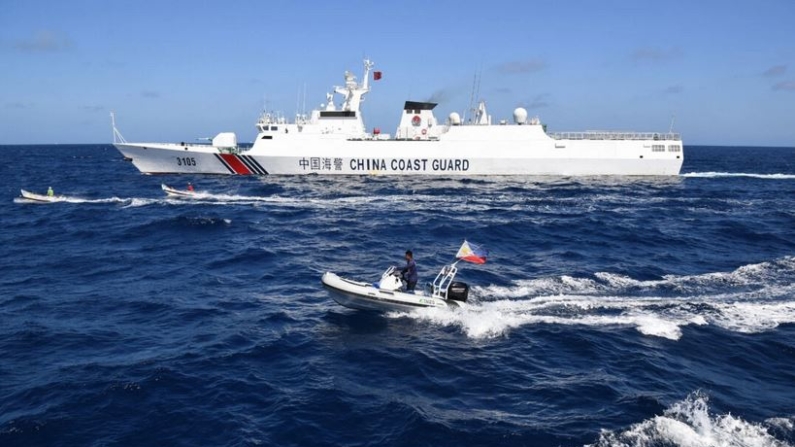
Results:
44 41
653 54
151 94
673 89
519 67
539 101
776 70
785 85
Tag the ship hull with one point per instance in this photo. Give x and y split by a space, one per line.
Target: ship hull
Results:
187 159
440 158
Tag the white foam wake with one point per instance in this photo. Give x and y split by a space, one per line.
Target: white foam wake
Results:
738 174
690 423
751 276
22 200
753 298
289 202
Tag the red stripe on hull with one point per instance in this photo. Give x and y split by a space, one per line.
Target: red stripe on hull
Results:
236 164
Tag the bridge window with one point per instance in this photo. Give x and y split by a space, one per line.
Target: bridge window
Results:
674 148
338 114
658 148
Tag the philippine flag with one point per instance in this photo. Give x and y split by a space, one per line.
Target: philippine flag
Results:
472 253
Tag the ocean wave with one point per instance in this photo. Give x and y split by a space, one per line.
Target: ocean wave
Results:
781 271
691 423
738 174
605 301
178 223
465 207
754 298
489 320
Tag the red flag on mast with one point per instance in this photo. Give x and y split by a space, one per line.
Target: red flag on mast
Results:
376 75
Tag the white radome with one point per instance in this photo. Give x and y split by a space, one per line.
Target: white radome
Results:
520 115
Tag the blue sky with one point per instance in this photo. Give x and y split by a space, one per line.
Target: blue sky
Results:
178 70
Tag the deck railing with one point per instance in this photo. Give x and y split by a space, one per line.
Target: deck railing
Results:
603 135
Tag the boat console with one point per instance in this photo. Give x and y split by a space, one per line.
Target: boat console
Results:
443 286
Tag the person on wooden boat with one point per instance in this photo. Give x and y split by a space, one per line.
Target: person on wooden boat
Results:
409 272
190 187
50 192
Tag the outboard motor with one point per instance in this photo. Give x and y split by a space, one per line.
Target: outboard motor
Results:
458 291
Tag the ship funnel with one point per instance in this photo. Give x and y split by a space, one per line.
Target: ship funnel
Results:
520 115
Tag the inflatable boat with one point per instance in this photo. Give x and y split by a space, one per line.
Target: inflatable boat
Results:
174 192
389 294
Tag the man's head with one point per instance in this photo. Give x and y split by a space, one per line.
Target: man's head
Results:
409 255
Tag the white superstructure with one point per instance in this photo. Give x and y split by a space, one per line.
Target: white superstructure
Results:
333 140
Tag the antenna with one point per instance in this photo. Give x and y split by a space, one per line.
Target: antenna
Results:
673 119
117 136
265 103
298 102
471 97
480 79
303 106
475 91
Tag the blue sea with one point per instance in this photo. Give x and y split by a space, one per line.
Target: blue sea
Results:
611 311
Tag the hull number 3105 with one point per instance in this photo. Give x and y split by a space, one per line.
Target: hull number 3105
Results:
186 161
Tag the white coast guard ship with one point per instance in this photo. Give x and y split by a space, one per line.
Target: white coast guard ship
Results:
334 140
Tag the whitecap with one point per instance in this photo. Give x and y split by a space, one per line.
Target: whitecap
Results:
753 298
738 174
690 423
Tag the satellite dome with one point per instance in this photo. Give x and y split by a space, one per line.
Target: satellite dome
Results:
455 119
520 115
